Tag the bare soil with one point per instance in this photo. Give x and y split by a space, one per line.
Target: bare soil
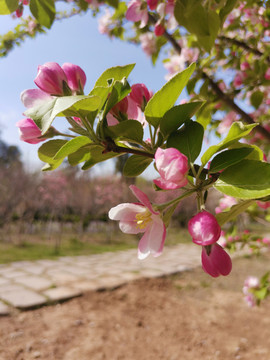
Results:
182 317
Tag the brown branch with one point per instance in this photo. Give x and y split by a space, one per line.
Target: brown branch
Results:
243 45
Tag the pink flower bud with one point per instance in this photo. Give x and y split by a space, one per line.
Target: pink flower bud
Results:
159 29
29 131
137 11
263 204
172 166
204 228
267 74
76 77
120 108
19 11
215 261
140 94
51 78
152 4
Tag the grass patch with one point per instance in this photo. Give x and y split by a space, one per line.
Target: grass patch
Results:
23 247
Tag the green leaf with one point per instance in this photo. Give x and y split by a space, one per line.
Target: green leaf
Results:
135 165
165 98
256 99
116 73
119 91
228 158
44 114
126 130
230 4
8 6
177 115
79 156
113 3
71 147
43 11
237 131
248 179
96 156
47 151
256 153
198 20
188 140
235 210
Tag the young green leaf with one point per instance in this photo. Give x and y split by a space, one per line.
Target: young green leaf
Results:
177 115
8 6
228 158
43 11
96 155
248 179
44 114
116 73
126 130
235 210
237 131
47 151
71 146
188 140
135 165
165 98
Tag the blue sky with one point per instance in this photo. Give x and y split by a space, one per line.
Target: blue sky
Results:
74 40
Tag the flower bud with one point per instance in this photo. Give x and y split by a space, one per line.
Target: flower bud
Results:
29 131
215 261
76 77
140 95
152 4
51 78
172 166
204 229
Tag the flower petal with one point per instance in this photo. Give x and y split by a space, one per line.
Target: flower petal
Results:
142 197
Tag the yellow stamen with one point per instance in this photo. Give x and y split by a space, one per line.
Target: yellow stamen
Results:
143 219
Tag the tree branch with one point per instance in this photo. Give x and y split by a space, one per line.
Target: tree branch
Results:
243 45
225 98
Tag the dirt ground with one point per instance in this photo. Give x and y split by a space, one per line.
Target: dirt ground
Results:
182 317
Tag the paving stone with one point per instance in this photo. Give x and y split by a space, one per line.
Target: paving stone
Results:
109 282
10 287
34 282
61 277
62 293
35 269
14 274
3 281
4 309
24 298
85 285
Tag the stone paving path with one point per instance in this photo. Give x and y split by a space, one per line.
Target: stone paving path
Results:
29 284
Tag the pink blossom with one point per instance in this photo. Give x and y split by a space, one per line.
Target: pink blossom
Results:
238 80
226 122
19 11
137 218
266 241
140 94
105 22
267 74
204 228
29 131
263 204
173 167
225 203
244 66
175 64
76 77
215 261
51 78
148 43
251 283
34 97
137 11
